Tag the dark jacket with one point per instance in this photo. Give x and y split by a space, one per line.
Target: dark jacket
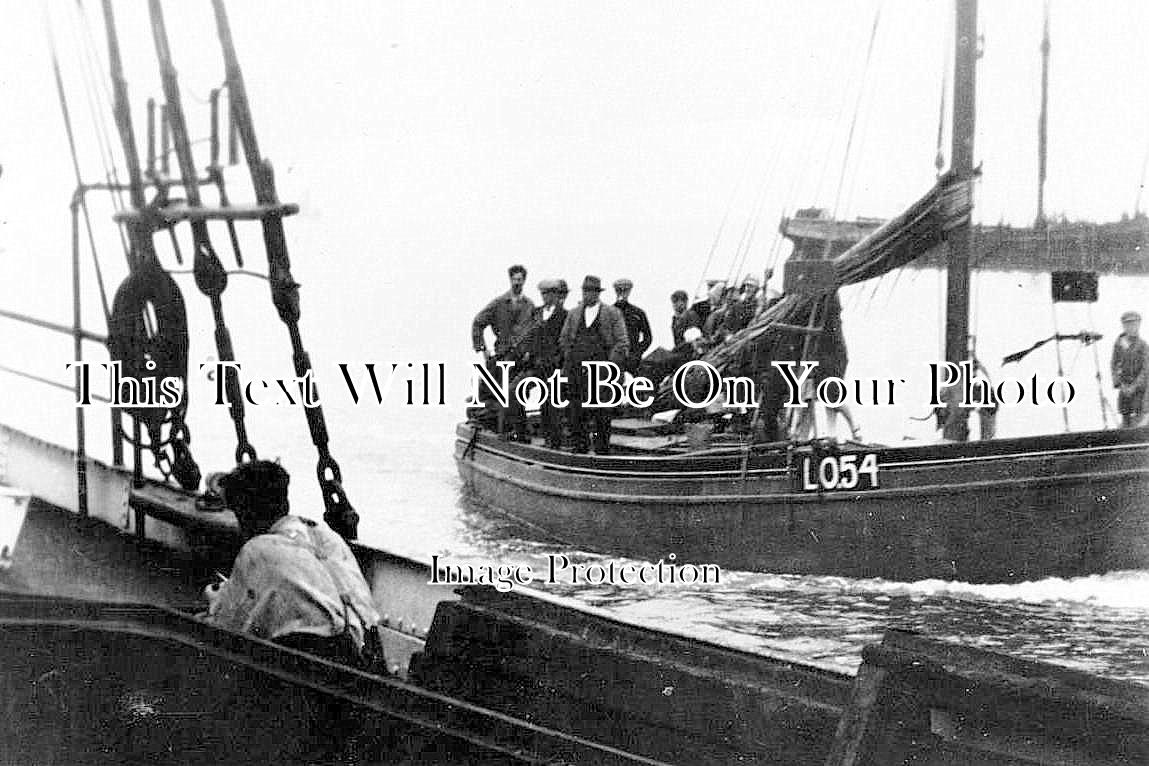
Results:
506 316
740 315
542 345
637 330
1130 363
611 327
680 323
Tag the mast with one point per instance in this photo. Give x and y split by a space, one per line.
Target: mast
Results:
1042 121
957 280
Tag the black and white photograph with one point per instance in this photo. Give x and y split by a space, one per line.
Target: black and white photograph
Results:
393 382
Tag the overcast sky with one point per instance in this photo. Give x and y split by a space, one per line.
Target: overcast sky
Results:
432 144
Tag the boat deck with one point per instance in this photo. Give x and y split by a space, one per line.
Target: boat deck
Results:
62 555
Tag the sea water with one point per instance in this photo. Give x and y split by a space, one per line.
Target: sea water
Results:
399 473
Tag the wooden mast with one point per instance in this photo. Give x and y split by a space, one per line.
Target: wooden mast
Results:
1042 121
957 282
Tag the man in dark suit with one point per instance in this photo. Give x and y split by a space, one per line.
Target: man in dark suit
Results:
637 325
593 331
541 357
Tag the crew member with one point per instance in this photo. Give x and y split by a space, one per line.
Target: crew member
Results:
295 581
541 358
769 295
828 349
742 311
637 326
721 299
1130 368
684 317
506 315
593 331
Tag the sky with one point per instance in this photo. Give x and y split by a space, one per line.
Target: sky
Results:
431 145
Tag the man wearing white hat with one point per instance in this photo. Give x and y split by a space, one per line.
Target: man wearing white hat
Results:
1130 368
742 312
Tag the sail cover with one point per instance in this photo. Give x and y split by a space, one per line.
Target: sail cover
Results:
923 226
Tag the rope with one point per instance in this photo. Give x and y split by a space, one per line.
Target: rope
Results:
98 107
940 156
76 163
771 169
725 218
210 276
836 126
857 108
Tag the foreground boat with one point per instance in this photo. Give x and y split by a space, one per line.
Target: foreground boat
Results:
999 510
478 676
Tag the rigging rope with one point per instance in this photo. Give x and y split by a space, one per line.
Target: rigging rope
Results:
338 513
98 107
210 276
771 170
725 218
80 199
857 108
837 122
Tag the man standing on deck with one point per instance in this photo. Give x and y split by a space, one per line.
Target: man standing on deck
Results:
593 332
541 357
637 325
1130 368
295 581
508 316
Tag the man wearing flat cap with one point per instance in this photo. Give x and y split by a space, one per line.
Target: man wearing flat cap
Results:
541 357
595 332
1130 368
637 325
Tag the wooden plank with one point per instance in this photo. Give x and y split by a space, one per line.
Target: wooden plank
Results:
177 212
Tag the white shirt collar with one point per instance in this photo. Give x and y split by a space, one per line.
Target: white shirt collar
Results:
590 313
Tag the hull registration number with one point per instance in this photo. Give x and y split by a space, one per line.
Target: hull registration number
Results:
828 473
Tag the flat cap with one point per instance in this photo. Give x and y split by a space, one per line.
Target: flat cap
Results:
1130 316
549 286
623 284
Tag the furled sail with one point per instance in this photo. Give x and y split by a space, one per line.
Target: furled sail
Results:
923 226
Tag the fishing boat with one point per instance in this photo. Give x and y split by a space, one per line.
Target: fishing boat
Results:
103 564
993 510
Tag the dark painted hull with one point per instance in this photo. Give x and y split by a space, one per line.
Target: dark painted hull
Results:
998 511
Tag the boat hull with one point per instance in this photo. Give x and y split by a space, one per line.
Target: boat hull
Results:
998 511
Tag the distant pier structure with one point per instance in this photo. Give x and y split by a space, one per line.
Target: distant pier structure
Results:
1115 247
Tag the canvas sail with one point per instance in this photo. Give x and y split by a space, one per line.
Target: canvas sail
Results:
923 226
